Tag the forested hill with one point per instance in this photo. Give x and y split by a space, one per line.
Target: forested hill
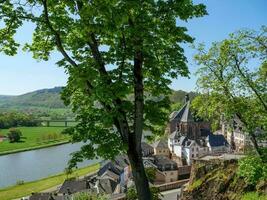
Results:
50 99
46 98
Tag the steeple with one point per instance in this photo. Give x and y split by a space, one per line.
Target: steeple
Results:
186 99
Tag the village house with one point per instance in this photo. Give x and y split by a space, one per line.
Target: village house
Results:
192 138
161 148
217 144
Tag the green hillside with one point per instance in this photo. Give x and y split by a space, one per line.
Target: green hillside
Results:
48 98
47 102
41 103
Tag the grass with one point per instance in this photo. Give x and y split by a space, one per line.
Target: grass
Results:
254 196
195 184
33 138
42 184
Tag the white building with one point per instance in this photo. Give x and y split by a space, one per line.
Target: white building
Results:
185 148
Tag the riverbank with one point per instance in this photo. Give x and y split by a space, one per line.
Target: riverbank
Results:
35 148
26 189
34 138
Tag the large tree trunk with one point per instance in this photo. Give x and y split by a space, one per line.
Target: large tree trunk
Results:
134 143
139 175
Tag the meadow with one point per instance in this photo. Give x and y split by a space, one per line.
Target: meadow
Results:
33 138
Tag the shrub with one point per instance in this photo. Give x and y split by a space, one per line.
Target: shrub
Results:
253 196
19 182
155 192
252 169
87 196
14 135
151 174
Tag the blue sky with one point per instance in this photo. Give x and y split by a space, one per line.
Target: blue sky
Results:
21 73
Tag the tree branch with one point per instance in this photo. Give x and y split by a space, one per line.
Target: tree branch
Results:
57 36
248 81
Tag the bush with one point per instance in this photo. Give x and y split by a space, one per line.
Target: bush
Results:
155 193
253 196
252 169
19 182
87 196
151 174
14 135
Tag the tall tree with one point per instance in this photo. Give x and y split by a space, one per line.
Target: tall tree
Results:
230 83
110 49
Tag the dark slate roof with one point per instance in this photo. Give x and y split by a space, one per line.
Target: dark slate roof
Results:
161 144
164 164
122 160
187 116
204 132
48 196
109 165
178 114
73 186
110 174
146 146
217 140
107 185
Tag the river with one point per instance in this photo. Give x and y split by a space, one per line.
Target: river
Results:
36 164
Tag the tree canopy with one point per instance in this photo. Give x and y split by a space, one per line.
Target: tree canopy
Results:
232 78
110 49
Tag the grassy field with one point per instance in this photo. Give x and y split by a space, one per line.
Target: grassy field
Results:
43 184
32 138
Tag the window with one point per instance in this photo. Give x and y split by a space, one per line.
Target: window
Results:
192 155
159 151
193 149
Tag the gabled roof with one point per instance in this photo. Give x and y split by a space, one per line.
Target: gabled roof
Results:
161 144
217 140
184 114
177 114
48 196
73 186
187 116
146 147
106 185
111 175
164 164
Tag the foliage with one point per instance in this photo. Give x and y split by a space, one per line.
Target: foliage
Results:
151 174
110 49
253 196
195 184
14 135
230 85
15 119
252 169
132 195
20 182
87 196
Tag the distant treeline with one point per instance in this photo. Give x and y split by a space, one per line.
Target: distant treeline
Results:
15 119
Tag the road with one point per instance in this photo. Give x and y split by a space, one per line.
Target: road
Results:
171 194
